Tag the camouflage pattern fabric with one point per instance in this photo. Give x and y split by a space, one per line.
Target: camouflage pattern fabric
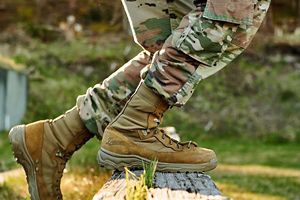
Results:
233 11
188 42
104 101
151 25
199 47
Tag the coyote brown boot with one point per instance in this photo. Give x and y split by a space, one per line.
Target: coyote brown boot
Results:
133 137
44 147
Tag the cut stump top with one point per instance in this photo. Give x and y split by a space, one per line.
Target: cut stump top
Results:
167 186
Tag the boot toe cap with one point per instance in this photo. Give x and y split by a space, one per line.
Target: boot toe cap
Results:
206 155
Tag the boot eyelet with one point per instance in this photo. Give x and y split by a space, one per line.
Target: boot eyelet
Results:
145 132
189 145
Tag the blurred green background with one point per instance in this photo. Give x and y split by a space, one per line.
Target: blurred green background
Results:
248 112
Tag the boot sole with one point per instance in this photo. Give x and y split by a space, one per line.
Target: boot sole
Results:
17 140
112 160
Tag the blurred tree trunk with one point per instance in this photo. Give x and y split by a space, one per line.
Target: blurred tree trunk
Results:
298 14
117 13
72 6
268 24
39 10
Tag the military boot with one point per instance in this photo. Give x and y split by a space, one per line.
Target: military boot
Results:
44 147
134 138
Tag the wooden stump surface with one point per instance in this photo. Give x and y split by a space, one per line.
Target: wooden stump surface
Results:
167 186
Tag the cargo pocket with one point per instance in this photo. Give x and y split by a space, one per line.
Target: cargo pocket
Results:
232 11
203 39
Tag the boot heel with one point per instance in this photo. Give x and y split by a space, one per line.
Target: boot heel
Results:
17 140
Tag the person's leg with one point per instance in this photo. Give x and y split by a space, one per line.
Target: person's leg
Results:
149 21
104 101
151 26
44 147
198 48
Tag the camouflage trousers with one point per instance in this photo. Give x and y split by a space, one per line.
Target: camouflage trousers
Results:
181 48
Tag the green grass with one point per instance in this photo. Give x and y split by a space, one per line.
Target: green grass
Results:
283 187
241 151
137 187
86 157
256 99
232 152
249 97
60 71
6 192
150 172
7 161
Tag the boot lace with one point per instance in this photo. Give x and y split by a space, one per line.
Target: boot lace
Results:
179 145
61 164
63 157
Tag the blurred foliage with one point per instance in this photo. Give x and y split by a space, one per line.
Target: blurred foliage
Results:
59 71
249 98
254 96
257 95
249 110
36 15
95 14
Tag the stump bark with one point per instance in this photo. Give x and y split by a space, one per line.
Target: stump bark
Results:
167 186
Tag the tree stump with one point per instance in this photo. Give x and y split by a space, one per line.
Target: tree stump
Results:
167 186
